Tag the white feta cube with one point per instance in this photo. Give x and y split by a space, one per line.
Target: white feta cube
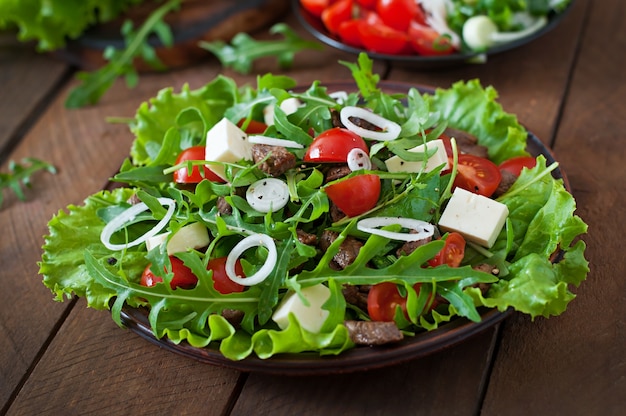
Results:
477 218
310 317
396 164
225 142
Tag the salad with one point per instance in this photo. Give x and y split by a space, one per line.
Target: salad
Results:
432 27
270 221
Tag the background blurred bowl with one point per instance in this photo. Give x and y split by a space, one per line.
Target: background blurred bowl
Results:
315 26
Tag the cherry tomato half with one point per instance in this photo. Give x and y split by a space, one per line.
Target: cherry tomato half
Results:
355 195
428 42
478 175
315 7
253 126
384 298
398 14
381 38
334 145
382 301
182 175
221 281
349 33
452 252
516 164
335 14
183 276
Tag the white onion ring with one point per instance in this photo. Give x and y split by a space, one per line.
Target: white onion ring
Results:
269 194
129 215
389 130
339 96
273 141
371 225
358 159
253 240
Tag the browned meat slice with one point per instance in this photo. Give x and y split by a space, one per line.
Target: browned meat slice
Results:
487 268
276 159
335 171
410 246
373 333
224 207
508 179
467 143
356 295
306 238
348 251
233 316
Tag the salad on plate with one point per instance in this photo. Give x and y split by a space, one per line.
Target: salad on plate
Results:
268 220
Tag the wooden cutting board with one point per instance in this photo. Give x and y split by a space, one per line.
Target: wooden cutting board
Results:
196 20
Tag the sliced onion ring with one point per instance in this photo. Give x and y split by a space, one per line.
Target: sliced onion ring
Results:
358 159
372 226
254 240
273 141
129 215
269 194
389 129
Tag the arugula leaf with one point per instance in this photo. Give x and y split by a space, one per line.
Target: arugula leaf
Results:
244 49
20 175
95 84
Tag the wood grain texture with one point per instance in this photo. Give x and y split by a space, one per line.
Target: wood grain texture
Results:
420 387
575 364
23 86
86 151
106 370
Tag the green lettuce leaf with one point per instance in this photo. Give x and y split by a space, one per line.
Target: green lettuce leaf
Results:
468 106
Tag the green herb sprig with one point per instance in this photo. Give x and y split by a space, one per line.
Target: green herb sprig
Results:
121 62
244 50
19 176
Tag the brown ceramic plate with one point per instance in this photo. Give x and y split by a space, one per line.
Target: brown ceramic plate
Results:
357 359
315 26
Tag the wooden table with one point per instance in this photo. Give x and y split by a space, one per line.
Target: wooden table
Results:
62 358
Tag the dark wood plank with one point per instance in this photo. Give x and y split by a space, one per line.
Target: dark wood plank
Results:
86 151
576 364
412 388
24 85
107 370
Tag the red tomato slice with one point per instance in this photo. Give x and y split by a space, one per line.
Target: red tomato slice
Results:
334 145
382 39
477 174
398 14
427 41
516 164
221 281
382 301
452 252
315 7
349 33
183 276
355 195
335 14
182 175
253 127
